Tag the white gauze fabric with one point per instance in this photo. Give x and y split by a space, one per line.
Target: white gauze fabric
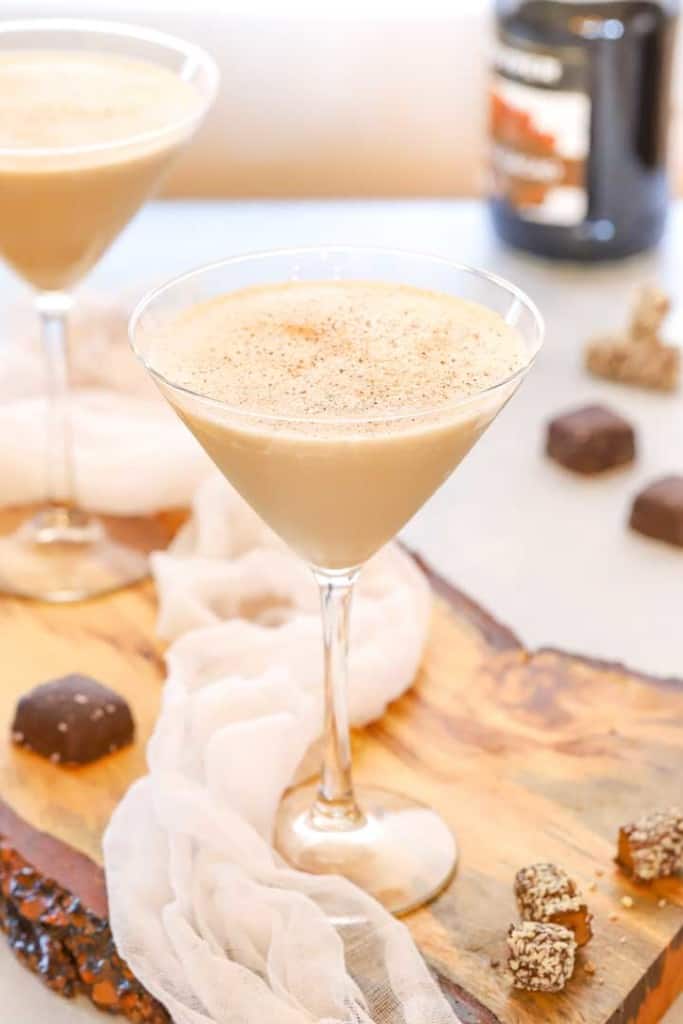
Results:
122 431
208 916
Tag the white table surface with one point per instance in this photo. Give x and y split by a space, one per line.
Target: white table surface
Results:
547 553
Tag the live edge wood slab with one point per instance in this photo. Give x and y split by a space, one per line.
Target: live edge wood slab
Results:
529 755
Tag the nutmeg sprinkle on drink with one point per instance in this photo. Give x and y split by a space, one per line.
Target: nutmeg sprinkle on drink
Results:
334 349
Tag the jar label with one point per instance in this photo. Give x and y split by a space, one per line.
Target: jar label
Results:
540 123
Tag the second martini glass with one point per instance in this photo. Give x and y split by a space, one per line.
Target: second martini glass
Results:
337 488
91 115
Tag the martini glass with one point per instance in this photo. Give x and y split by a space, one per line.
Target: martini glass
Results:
337 489
67 188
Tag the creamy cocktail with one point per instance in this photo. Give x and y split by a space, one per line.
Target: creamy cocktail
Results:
71 171
339 407
337 389
91 114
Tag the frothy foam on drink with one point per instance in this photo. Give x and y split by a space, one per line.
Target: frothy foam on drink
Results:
60 99
336 349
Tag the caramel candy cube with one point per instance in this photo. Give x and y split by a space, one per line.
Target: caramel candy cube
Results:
546 893
652 847
541 957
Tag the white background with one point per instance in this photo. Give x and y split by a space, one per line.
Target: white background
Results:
362 97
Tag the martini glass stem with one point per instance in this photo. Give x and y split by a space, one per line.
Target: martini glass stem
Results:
53 309
336 807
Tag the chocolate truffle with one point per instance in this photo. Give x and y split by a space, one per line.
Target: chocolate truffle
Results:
658 510
591 440
72 720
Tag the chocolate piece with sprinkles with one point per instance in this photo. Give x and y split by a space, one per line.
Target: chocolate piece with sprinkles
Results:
72 720
652 847
541 956
546 893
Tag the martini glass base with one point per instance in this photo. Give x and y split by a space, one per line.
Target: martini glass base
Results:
62 555
398 850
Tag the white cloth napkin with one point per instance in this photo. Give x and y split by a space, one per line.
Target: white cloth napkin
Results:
208 916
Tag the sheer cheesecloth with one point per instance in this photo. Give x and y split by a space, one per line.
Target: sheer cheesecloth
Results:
209 917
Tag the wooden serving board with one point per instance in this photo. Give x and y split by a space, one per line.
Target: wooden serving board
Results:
529 756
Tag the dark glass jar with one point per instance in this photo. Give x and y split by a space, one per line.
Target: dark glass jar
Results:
579 124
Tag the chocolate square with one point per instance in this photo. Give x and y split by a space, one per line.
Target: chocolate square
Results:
72 720
658 510
591 439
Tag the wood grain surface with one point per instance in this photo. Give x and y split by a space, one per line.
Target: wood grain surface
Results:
539 756
529 756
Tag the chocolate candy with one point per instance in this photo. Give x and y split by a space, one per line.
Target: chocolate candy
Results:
591 439
652 847
541 957
546 893
73 720
658 510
